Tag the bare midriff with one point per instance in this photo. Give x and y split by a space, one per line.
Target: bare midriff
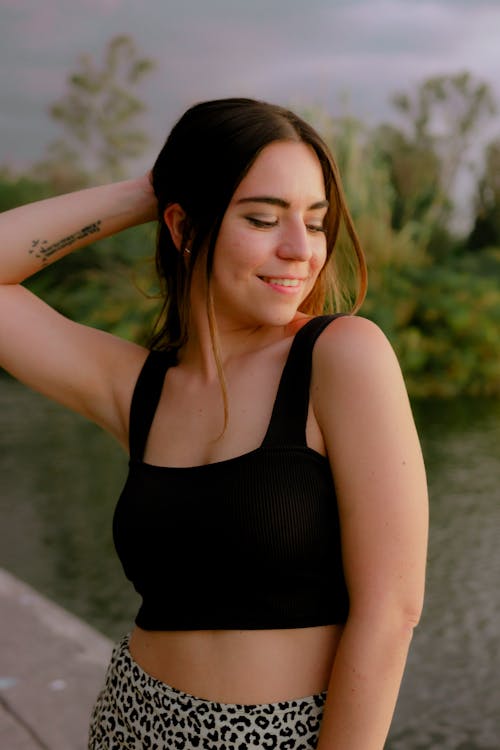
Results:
240 666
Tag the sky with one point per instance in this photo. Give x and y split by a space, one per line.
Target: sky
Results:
347 56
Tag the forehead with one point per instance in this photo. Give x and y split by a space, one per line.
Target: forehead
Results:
284 169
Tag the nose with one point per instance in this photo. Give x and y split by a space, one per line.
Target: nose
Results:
295 243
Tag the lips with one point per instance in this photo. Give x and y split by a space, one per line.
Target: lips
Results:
277 281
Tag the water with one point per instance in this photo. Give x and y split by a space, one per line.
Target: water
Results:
60 478
451 692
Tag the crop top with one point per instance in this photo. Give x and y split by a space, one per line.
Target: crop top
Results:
251 542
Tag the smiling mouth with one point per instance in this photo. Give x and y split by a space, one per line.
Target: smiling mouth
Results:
281 282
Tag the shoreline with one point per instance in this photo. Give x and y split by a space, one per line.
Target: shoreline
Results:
52 668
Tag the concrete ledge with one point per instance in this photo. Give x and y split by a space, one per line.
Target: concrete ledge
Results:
52 666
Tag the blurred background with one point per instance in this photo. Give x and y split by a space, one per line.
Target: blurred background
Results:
408 95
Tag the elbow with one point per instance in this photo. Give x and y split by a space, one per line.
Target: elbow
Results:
401 622
396 618
404 617
405 611
411 605
409 618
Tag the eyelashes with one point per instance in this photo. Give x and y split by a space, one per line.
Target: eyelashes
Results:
262 224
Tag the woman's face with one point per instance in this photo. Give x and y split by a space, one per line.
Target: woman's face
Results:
271 245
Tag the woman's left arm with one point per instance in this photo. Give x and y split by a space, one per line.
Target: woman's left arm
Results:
362 408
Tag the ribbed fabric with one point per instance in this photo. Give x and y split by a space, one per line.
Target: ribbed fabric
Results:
248 543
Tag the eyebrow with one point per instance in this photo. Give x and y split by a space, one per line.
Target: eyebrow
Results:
271 201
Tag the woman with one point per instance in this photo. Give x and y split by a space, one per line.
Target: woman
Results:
274 516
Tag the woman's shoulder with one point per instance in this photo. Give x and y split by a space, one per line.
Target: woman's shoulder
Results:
352 339
358 392
352 356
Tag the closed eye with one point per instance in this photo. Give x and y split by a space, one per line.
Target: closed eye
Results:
267 224
316 228
261 223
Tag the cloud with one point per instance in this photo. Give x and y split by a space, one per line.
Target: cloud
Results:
283 50
108 6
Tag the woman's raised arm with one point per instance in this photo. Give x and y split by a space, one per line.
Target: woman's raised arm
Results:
87 370
37 234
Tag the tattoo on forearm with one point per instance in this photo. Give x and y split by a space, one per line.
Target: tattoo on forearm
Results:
41 248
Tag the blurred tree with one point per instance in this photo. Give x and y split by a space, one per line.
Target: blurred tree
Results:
414 171
372 197
15 190
98 113
442 318
486 230
441 119
444 115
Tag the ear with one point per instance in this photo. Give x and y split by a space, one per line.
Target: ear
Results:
175 218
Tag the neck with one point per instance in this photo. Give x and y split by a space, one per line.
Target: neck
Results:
233 342
234 339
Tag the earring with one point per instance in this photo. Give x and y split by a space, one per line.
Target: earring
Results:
186 251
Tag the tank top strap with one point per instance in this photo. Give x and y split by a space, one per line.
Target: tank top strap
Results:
289 416
145 399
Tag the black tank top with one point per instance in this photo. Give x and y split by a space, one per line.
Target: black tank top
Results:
251 542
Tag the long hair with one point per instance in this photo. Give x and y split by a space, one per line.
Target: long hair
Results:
207 154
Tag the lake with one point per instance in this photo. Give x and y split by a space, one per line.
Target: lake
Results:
61 477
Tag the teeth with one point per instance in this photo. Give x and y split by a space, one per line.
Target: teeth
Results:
283 282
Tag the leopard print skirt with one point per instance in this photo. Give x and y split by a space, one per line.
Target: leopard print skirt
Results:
136 711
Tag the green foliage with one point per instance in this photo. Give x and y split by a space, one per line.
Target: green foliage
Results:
444 323
110 284
413 171
486 230
16 190
438 302
440 121
443 318
371 195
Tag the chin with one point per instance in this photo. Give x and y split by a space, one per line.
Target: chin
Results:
280 318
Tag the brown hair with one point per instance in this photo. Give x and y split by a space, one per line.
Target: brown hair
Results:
207 154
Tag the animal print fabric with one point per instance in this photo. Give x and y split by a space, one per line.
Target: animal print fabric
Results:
136 711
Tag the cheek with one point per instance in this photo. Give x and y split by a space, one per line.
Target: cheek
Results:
319 258
239 255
